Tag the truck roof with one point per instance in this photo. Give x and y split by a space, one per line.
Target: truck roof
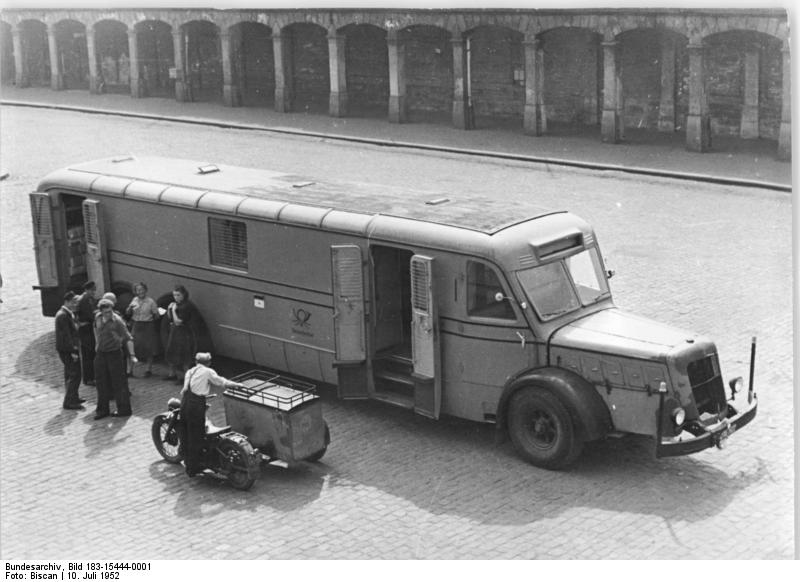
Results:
191 183
486 226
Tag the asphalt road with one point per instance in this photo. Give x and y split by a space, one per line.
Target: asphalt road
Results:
714 259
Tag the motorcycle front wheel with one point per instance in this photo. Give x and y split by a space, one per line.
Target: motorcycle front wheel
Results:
238 461
167 440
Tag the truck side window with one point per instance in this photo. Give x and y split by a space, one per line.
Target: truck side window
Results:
482 287
227 240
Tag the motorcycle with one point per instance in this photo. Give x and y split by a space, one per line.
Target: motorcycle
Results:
226 453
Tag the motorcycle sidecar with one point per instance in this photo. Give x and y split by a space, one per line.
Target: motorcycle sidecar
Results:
282 417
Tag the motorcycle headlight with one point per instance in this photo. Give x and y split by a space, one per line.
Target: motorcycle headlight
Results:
678 416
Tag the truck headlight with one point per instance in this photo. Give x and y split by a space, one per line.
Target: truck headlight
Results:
736 386
678 416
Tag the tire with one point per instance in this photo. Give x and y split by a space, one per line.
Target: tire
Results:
168 443
319 454
238 461
542 429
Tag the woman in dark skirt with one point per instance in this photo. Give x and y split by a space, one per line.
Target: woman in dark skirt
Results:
181 342
143 313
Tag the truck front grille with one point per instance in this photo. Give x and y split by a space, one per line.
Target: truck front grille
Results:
707 386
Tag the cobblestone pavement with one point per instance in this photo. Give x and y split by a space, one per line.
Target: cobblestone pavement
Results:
397 486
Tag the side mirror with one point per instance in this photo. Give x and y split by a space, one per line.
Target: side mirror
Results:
500 297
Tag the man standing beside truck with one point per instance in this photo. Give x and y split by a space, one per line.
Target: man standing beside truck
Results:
87 303
68 347
109 368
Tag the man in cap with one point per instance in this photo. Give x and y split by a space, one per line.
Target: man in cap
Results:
197 385
110 334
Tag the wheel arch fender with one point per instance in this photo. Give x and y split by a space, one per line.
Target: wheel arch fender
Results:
593 419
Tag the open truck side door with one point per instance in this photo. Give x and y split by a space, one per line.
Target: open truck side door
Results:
44 244
425 339
348 321
96 263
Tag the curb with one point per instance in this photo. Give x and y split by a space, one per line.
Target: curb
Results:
710 179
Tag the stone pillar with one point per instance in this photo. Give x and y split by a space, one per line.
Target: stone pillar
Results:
95 80
56 75
281 47
785 134
137 87
610 124
462 107
698 121
21 77
337 103
231 92
666 106
748 127
534 121
183 90
397 78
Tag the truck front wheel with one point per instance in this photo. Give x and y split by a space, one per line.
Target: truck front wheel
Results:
542 429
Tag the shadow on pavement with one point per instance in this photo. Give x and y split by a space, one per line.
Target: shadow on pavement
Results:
103 434
39 361
453 467
282 489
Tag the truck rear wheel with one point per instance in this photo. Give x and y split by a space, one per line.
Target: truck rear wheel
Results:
542 429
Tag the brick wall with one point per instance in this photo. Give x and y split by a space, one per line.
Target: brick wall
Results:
725 63
7 63
639 60
367 67
571 75
311 71
429 70
204 60
35 53
254 56
495 53
156 57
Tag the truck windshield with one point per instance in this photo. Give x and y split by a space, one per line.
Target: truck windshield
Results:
562 286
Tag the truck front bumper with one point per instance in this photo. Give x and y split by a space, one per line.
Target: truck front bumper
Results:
704 437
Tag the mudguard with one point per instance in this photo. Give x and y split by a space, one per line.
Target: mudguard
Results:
589 412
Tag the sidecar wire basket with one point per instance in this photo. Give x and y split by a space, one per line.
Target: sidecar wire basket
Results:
272 390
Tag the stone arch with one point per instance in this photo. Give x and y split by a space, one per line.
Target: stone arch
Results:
253 59
7 66
156 56
202 59
744 83
111 54
73 54
306 45
428 71
573 77
497 74
367 69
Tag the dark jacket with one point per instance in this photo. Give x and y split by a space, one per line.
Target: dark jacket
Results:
66 332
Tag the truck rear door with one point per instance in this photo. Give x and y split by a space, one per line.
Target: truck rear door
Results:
44 244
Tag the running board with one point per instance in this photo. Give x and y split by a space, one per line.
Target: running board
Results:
395 399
